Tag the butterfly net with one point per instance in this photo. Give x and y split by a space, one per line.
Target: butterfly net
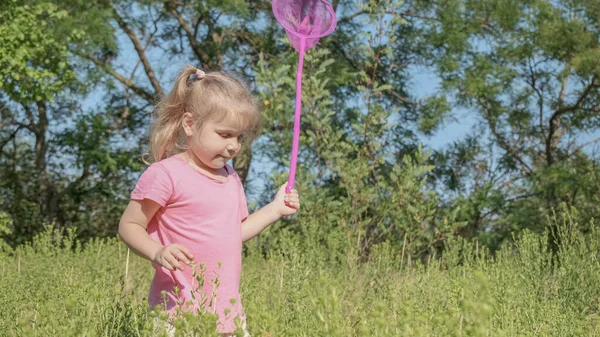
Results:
308 19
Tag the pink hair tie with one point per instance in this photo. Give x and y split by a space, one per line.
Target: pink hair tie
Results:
200 74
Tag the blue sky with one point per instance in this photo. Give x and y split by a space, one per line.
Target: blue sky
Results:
424 83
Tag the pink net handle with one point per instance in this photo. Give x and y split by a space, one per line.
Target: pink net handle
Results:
305 21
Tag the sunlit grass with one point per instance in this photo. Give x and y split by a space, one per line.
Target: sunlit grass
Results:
58 288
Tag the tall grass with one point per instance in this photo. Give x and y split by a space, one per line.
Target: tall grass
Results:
55 287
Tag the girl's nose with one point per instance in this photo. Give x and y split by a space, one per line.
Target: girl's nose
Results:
234 145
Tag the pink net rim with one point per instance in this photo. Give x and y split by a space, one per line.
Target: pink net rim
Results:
302 36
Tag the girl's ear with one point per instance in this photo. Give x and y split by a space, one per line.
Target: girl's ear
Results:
188 122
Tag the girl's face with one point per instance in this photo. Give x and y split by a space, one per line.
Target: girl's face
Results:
214 143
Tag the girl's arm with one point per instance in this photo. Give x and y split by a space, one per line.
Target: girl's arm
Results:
133 225
283 205
132 230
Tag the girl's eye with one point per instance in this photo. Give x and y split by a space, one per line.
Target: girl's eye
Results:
225 135
241 138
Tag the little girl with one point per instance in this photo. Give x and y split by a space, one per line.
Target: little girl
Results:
188 208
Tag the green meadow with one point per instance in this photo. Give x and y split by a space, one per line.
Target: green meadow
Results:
57 287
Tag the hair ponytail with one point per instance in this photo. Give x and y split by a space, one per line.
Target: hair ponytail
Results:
215 95
166 131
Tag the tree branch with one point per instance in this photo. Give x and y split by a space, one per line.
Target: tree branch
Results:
75 183
359 68
539 94
41 146
125 81
552 138
362 12
140 51
202 56
402 98
10 138
563 88
351 17
580 147
503 142
563 110
197 27
30 117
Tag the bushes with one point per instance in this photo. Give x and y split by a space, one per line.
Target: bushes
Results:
55 287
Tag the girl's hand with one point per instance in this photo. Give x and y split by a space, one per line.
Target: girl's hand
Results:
173 257
286 203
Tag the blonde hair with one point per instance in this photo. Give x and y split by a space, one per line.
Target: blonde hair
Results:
212 96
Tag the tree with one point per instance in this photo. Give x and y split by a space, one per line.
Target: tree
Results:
244 37
220 35
362 172
56 158
528 72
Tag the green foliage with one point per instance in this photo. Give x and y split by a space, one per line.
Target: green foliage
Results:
33 64
522 290
57 162
358 180
526 74
5 224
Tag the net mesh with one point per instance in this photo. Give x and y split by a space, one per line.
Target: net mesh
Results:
309 19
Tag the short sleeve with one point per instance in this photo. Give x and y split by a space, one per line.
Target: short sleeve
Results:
243 207
154 184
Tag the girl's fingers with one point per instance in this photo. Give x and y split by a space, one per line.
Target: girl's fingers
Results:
167 265
172 260
185 251
292 199
180 255
294 205
292 194
292 202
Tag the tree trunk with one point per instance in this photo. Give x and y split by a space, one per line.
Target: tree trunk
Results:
241 163
46 198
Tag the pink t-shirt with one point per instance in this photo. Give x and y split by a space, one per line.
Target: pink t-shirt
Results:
205 215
